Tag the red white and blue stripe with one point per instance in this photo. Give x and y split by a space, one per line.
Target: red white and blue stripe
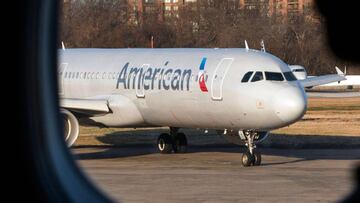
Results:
202 83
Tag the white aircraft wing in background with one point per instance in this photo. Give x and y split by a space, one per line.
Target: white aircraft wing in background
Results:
321 80
339 72
86 106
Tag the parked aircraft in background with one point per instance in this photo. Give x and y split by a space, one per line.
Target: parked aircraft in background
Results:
350 82
312 81
299 71
238 92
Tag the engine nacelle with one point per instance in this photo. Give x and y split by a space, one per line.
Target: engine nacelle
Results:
239 138
71 127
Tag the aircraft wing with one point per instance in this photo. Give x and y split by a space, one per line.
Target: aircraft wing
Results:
86 106
321 80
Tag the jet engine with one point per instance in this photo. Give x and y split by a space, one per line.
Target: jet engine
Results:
71 127
239 137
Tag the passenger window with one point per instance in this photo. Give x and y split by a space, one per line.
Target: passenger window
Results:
273 76
247 76
257 77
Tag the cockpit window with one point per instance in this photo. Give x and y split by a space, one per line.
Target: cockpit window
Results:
299 70
289 76
247 76
257 77
274 76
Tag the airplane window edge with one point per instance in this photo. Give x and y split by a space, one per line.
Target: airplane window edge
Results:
60 179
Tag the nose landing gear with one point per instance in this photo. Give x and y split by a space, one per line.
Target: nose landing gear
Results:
174 142
252 156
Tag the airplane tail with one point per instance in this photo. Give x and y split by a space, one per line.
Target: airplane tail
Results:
339 72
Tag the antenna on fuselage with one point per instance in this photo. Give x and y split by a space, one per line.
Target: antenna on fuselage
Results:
246 46
152 41
262 46
63 45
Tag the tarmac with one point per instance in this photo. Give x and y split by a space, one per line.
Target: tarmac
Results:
295 168
213 173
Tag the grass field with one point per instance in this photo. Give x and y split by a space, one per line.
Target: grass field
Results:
328 116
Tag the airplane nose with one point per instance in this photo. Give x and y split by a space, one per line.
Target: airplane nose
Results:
290 104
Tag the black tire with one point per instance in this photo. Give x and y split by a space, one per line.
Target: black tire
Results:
257 158
180 145
165 144
247 159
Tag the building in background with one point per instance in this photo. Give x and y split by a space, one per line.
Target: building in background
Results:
160 8
279 8
170 8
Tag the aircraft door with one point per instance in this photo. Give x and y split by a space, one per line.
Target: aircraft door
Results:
139 85
61 74
218 78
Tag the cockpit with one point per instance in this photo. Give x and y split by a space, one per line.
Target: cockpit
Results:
299 70
255 76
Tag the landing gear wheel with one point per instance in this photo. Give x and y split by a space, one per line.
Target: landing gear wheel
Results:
251 156
180 145
256 158
165 144
247 159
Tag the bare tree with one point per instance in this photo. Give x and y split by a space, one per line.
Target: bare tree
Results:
218 23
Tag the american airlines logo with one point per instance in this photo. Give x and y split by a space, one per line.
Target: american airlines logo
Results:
202 83
159 78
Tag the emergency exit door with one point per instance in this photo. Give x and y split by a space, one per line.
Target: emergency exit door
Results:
218 78
62 70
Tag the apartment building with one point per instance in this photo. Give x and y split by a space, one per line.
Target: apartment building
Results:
170 8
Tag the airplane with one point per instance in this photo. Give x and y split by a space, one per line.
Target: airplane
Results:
352 81
322 80
240 92
298 71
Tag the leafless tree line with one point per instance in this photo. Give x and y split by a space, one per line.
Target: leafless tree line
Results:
112 24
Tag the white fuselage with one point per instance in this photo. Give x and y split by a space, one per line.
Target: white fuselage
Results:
191 88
